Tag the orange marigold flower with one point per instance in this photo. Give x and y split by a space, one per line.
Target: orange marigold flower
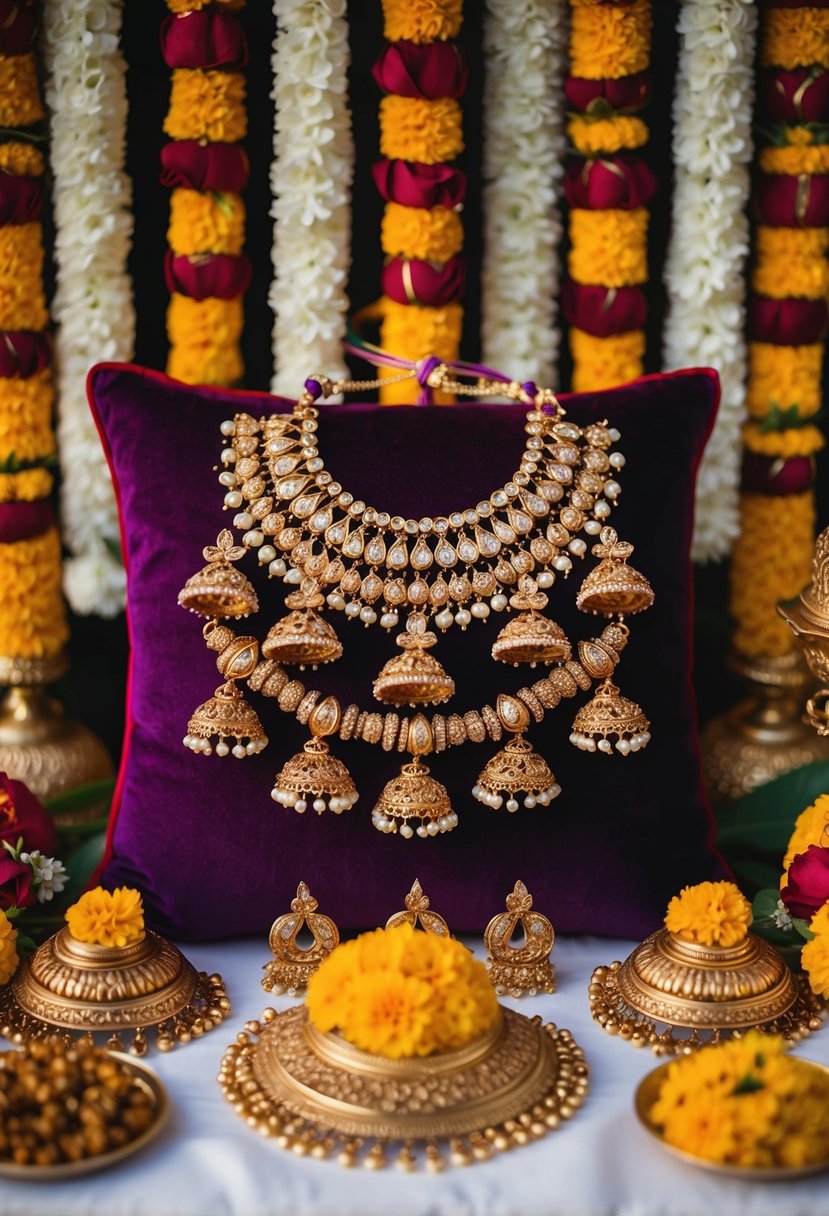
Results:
609 247
206 364
414 232
187 6
28 486
416 331
22 299
609 40
814 956
711 913
794 160
26 415
422 20
20 103
591 135
795 441
810 827
795 38
9 959
784 376
206 223
772 561
21 159
792 262
204 337
415 129
32 613
605 362
207 105
107 918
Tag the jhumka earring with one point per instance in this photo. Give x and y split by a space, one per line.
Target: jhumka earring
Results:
414 795
523 970
516 769
314 775
292 965
530 637
303 637
226 721
418 914
219 589
414 677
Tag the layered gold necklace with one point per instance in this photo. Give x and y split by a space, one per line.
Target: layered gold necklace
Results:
340 554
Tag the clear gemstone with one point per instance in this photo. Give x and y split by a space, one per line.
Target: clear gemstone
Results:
383 518
336 534
484 508
456 519
306 505
470 517
566 430
534 504
550 491
376 551
345 499
397 522
334 488
488 544
535 443
521 479
467 551
511 489
562 473
418 591
323 479
520 520
285 464
314 465
439 593
320 521
445 555
353 547
426 524
357 508
275 446
369 515
371 588
441 525
421 557
398 556
289 487
410 526
499 499
503 531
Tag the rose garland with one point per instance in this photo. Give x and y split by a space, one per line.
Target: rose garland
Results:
787 323
423 75
206 272
704 271
524 147
311 177
607 193
33 626
93 307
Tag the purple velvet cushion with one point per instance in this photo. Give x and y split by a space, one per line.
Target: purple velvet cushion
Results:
201 837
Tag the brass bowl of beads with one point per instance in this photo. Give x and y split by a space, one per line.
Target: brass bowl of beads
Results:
71 1108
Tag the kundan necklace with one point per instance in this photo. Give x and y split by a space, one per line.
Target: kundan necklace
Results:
339 553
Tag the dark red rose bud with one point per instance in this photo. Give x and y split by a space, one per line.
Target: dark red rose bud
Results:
798 96
612 181
800 4
807 888
626 93
220 275
413 282
771 475
785 201
22 814
416 185
186 162
789 322
18 22
204 39
23 520
413 69
22 353
21 199
603 311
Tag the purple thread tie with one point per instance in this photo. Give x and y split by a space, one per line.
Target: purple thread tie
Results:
423 370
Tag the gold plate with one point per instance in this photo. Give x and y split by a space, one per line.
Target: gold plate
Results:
101 1161
644 1101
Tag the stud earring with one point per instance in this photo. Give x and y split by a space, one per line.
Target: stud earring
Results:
292 966
523 970
313 775
517 768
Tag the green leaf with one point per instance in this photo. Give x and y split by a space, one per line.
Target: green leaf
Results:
765 903
25 944
113 548
789 418
223 202
761 823
83 797
81 865
749 1084
802 927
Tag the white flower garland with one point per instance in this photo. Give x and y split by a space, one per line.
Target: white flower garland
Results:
311 186
525 43
704 271
93 306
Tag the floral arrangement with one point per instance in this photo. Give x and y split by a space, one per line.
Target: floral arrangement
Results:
29 874
705 264
311 174
710 914
603 298
205 166
787 321
402 992
93 305
524 146
745 1103
107 918
423 75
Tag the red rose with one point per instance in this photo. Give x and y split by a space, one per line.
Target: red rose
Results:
221 275
798 96
24 520
807 888
785 201
21 814
415 185
21 199
15 883
626 93
612 181
429 70
603 311
22 353
186 162
771 475
206 39
789 322
409 281
18 22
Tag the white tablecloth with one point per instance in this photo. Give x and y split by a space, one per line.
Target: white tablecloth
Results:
208 1163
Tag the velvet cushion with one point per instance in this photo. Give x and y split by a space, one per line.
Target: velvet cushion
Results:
201 837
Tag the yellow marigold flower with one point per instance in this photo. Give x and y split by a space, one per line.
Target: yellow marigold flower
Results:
415 232
771 561
810 827
20 103
609 41
392 1016
21 159
796 441
609 247
592 135
799 137
28 486
792 262
207 105
814 957
415 129
785 376
795 38
711 913
416 331
422 20
605 362
204 337
26 415
9 959
22 300
107 918
206 365
206 223
32 612
795 160
187 6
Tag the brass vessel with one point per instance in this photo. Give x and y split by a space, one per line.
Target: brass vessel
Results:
808 618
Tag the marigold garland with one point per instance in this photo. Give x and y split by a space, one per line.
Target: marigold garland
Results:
21 160
22 298
26 415
784 376
107 918
9 959
187 6
795 37
28 486
32 621
421 331
796 441
610 41
422 20
792 262
605 362
814 956
205 339
795 160
590 135
207 105
609 247
206 223
20 104
710 913
414 232
415 129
